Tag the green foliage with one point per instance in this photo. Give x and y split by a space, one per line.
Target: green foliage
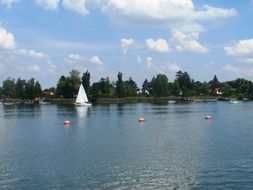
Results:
86 82
9 88
184 83
21 88
120 86
160 85
146 87
32 89
67 87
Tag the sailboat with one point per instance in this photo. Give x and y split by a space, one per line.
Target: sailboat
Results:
82 99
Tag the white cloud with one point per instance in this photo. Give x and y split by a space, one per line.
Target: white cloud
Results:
31 53
145 11
239 71
96 60
174 67
125 44
211 12
48 4
139 59
162 10
8 3
76 57
73 58
187 42
241 48
78 6
34 68
149 62
159 45
2 68
7 40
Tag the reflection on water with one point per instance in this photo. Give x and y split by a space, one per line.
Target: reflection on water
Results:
81 111
11 112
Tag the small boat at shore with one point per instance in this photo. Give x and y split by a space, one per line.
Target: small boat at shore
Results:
233 102
8 103
172 102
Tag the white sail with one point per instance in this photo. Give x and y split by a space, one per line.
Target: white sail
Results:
81 97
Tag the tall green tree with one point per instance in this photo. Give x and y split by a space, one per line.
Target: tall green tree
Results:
86 81
21 88
160 85
30 90
120 86
74 81
146 87
9 88
214 83
131 87
184 82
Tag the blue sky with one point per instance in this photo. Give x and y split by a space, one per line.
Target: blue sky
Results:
45 39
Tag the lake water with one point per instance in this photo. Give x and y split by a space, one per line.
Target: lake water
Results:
105 147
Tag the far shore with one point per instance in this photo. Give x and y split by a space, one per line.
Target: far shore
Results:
127 100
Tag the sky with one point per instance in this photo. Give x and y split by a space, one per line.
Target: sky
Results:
44 39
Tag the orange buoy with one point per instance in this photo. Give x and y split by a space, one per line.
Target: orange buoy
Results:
141 119
67 122
209 117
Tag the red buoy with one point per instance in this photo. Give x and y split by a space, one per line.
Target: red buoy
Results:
141 119
67 122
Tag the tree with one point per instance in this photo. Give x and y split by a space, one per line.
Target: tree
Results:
160 85
74 81
37 89
184 82
214 83
67 87
146 86
86 81
131 87
9 88
20 88
120 86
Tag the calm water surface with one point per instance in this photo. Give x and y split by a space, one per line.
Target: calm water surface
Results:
106 147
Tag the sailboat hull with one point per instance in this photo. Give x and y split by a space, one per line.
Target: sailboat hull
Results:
82 104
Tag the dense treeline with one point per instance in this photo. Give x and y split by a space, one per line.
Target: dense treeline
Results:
159 86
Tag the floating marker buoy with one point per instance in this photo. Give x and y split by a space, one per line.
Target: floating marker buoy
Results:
141 119
209 117
66 122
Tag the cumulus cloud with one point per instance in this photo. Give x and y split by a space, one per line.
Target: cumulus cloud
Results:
96 60
73 58
241 48
2 68
143 11
187 42
34 68
76 5
139 59
48 4
162 10
125 44
174 67
8 3
159 45
149 62
31 53
239 71
7 40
